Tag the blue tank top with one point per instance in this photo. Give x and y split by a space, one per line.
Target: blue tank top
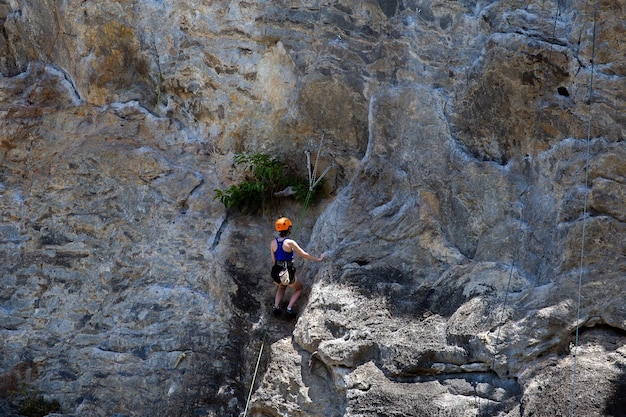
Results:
280 254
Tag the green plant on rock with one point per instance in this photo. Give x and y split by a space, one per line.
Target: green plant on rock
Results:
38 406
29 402
266 175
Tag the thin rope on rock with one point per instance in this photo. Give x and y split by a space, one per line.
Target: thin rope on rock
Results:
519 232
515 260
256 367
584 219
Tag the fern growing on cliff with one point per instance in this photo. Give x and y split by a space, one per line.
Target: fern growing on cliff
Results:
265 176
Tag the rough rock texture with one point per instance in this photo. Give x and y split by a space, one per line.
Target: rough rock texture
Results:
474 207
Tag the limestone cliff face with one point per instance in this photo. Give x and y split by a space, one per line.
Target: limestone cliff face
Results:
474 207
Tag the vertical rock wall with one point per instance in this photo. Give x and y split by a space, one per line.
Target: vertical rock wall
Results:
475 150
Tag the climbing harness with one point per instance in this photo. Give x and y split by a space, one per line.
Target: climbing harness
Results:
584 220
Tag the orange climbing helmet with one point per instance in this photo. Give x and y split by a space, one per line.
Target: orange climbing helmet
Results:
282 224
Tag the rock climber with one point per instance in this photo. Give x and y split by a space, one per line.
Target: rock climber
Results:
283 249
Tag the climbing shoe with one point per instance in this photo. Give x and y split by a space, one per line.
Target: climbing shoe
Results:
275 312
291 313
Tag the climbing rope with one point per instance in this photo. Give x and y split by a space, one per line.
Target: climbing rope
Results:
584 215
314 180
256 367
585 198
519 232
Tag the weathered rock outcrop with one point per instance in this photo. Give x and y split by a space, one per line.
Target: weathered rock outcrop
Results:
474 207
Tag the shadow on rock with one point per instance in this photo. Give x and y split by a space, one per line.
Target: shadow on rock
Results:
616 403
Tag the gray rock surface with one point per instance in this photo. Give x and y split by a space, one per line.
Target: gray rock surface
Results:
473 208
